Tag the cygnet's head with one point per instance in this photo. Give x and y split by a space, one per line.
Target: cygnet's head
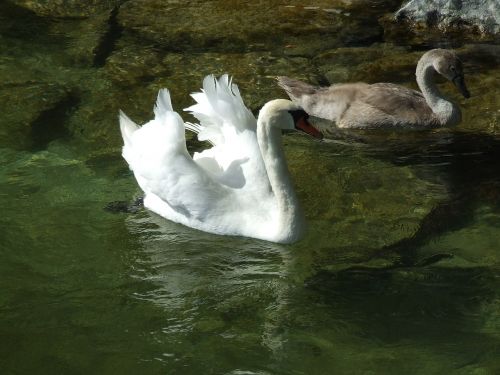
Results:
447 63
287 115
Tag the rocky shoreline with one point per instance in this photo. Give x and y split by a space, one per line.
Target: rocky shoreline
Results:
479 16
138 46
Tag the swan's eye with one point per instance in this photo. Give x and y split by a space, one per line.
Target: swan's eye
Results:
452 68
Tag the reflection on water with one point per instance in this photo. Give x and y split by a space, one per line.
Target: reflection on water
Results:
398 272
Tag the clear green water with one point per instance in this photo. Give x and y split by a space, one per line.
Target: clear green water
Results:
399 271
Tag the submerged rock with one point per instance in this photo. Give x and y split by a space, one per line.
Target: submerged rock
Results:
346 195
477 15
136 66
377 63
66 8
86 39
24 106
481 113
68 41
247 26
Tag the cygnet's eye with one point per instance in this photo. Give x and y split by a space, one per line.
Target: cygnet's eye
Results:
452 68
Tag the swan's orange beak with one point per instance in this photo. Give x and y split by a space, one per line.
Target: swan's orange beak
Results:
306 127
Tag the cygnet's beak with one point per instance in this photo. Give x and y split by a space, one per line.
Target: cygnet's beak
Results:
306 127
459 82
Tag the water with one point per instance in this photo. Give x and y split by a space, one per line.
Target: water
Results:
399 270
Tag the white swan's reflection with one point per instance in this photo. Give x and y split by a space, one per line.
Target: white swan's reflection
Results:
207 284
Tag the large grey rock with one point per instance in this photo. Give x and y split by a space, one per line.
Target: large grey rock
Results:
480 15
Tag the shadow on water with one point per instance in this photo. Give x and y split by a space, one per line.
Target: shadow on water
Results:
434 307
413 296
51 124
466 164
108 41
21 25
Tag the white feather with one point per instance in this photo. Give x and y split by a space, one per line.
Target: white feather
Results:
224 189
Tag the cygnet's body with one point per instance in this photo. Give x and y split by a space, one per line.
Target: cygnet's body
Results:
386 105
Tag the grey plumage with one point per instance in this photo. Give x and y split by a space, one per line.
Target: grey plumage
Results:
362 105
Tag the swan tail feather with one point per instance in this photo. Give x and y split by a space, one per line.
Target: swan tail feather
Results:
163 103
127 128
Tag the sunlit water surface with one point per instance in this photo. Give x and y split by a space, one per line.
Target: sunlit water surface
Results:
399 270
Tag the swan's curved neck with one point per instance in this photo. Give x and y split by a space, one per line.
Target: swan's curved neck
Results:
446 112
290 217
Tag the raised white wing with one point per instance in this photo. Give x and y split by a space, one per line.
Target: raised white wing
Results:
225 121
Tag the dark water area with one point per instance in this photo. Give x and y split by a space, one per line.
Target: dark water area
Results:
398 272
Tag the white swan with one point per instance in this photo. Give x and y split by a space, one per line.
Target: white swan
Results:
361 105
240 186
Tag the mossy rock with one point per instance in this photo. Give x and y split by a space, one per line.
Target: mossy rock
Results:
66 8
70 41
377 63
343 192
86 38
242 26
96 119
132 66
26 107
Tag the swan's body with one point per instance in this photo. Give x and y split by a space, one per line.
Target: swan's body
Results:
240 186
362 105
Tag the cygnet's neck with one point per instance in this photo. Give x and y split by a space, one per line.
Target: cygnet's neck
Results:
290 220
446 112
